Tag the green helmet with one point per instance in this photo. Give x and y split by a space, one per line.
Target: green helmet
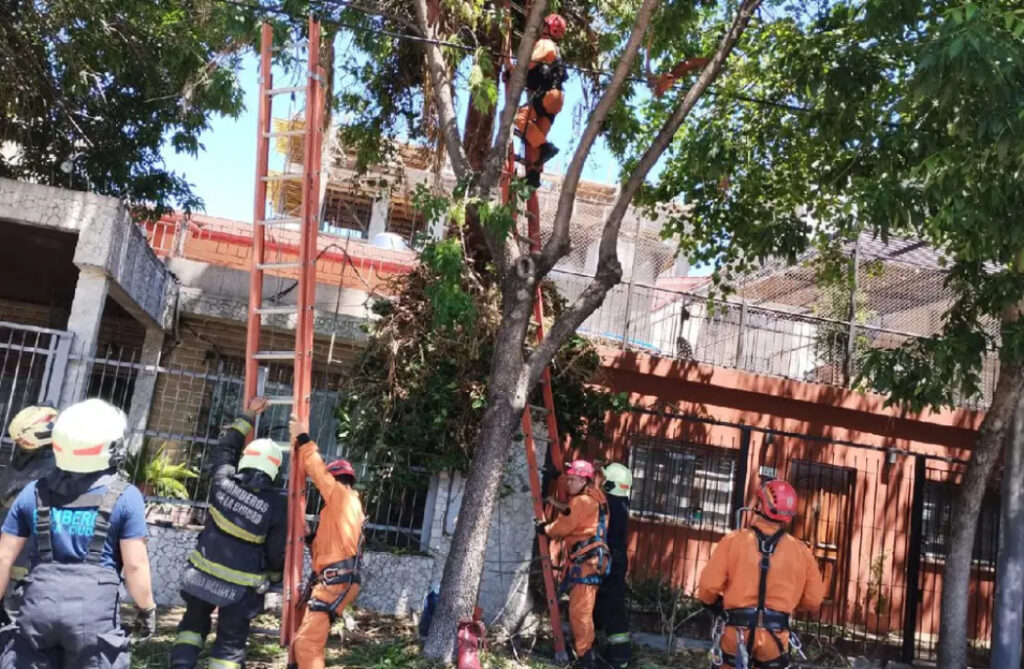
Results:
617 480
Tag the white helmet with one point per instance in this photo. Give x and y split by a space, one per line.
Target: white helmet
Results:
85 434
32 428
262 454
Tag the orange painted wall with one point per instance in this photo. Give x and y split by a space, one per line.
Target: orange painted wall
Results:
878 493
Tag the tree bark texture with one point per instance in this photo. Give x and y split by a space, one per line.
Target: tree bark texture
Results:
506 399
956 575
1009 603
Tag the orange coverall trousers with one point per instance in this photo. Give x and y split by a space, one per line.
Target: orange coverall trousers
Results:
316 625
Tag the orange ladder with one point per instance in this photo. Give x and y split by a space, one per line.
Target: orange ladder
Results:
300 265
552 439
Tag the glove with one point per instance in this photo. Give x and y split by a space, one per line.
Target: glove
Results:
5 618
541 527
144 626
716 608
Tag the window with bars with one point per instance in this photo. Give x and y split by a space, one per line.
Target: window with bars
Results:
937 518
682 483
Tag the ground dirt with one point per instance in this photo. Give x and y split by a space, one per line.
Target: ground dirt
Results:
370 641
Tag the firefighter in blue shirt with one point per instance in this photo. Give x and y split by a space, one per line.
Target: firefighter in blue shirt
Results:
83 524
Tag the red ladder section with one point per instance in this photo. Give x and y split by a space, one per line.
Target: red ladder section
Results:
536 491
304 268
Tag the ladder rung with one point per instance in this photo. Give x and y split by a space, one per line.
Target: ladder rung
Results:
280 400
289 309
534 407
285 89
284 220
284 133
279 265
284 177
274 355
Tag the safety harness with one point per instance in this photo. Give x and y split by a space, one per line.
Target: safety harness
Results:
347 572
544 77
763 617
102 502
584 551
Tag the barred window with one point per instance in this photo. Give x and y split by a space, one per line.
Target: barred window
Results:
682 483
937 520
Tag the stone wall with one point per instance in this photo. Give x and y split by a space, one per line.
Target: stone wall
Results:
504 586
392 584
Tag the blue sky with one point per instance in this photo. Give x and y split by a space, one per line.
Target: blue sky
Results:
223 174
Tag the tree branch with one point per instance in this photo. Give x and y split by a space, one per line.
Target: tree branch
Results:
609 272
558 244
524 54
442 93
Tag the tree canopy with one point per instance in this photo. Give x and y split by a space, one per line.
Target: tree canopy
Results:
89 91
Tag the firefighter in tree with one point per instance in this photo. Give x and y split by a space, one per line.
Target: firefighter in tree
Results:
757 577
583 524
610 610
544 81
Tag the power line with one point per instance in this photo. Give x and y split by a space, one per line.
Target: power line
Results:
281 11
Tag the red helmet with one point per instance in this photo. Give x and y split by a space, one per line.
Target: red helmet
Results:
555 26
341 467
777 501
580 468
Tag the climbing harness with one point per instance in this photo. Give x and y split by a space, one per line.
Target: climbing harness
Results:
588 549
347 572
746 621
717 630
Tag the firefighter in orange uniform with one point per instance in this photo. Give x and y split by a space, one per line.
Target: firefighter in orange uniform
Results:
544 81
757 577
337 548
584 527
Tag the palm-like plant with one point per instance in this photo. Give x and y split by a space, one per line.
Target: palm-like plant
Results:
157 474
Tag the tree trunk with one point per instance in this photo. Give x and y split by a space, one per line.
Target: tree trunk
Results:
966 507
1009 601
506 400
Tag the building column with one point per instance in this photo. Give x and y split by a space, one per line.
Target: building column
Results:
84 324
145 384
379 217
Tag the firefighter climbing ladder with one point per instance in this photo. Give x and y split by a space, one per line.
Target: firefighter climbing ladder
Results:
300 265
530 440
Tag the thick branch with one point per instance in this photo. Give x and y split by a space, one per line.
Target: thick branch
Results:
441 82
558 244
524 54
608 269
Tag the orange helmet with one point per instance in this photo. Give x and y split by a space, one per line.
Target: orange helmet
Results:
554 24
341 467
777 501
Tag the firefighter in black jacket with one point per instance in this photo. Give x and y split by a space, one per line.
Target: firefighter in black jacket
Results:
241 550
31 431
610 610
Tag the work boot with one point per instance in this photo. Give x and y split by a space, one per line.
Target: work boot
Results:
587 661
547 152
533 178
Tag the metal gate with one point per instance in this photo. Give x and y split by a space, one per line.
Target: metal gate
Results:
33 367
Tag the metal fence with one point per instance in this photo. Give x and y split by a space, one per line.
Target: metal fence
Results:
877 521
190 407
734 334
32 366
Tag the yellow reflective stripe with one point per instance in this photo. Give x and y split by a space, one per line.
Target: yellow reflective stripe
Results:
217 663
225 573
275 576
19 573
228 527
618 638
242 425
187 638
